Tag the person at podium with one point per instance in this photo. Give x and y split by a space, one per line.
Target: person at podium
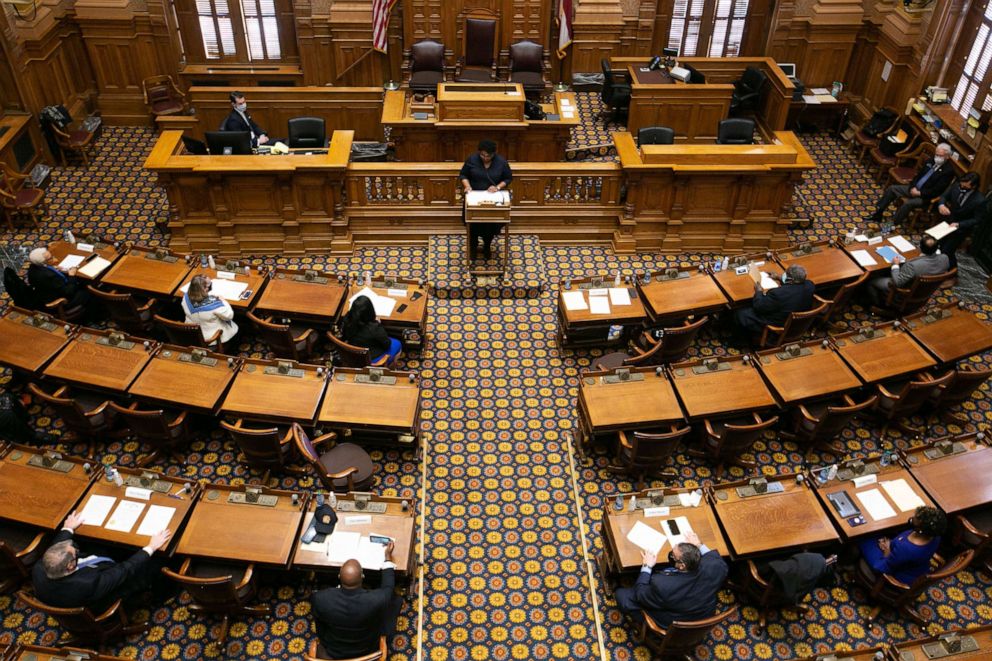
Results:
484 170
240 120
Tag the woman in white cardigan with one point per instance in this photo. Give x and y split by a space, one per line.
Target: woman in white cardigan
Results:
209 312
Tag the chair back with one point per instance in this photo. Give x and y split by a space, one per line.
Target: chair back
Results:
655 135
735 131
526 55
162 96
20 292
836 418
316 652
682 638
965 381
479 40
612 80
263 448
842 298
736 439
968 535
650 451
215 594
427 55
181 333
307 132
909 300
79 622
753 79
146 425
350 355
896 594
677 341
69 410
798 324
13 571
914 395
306 448
279 337
122 308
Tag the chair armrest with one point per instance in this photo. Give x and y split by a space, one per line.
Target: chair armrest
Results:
623 440
323 438
61 391
970 528
885 392
340 475
114 607
653 626
148 305
246 579
304 336
647 337
180 419
886 579
804 412
33 546
709 428
753 570
100 409
56 304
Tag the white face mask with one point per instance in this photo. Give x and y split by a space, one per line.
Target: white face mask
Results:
241 107
939 160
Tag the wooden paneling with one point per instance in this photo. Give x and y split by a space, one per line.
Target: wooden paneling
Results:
55 69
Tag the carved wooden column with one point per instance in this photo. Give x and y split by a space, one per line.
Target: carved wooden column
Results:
597 27
832 29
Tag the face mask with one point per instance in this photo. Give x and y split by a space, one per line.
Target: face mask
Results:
963 189
939 160
241 107
785 278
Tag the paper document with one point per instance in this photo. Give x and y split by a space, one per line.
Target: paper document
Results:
599 304
691 499
619 296
767 282
811 99
861 238
157 518
902 495
888 253
826 98
901 244
96 509
684 529
574 300
646 538
229 290
370 555
940 230
125 516
820 90
383 304
476 198
875 505
343 546
71 261
94 267
567 114
863 257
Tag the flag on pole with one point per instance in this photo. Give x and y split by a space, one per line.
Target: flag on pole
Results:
380 23
564 26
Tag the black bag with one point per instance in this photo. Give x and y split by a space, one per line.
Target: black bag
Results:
880 121
532 110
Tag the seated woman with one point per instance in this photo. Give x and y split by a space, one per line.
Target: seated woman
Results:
211 313
360 328
906 557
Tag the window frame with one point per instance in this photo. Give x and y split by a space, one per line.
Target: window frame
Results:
707 20
278 50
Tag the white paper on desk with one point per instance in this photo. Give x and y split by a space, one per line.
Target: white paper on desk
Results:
691 499
565 102
684 529
358 520
157 519
96 509
940 230
383 304
646 538
71 261
619 296
370 555
811 99
602 291
85 247
315 547
820 90
125 516
475 198
567 114
901 244
863 257
876 507
229 290
767 282
342 546
861 238
398 293
94 267
599 304
826 98
574 300
902 495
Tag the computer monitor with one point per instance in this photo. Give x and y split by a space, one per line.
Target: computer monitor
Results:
228 142
670 52
194 146
788 69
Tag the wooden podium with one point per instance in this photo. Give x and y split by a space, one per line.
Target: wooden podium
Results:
480 102
481 209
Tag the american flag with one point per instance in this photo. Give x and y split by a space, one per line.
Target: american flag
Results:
380 23
564 26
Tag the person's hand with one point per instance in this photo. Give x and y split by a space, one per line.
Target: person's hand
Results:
160 539
692 538
73 521
492 189
883 545
388 553
72 271
914 191
954 225
944 211
262 139
467 190
649 559
898 259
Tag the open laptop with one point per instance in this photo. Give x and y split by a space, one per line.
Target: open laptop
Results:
789 70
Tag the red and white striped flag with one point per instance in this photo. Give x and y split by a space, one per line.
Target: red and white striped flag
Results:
564 26
380 23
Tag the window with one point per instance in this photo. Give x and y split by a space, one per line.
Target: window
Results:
235 30
975 76
708 27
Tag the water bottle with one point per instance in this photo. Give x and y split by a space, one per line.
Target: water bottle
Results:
725 264
633 503
831 473
211 262
320 499
69 237
717 264
618 505
108 472
203 261
332 499
616 280
247 270
368 278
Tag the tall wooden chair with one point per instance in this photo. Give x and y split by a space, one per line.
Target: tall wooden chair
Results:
862 142
795 328
905 399
768 595
974 531
724 442
163 97
19 200
907 165
965 380
643 453
264 449
529 66
881 162
87 416
350 355
83 625
902 301
616 92
20 548
344 467
423 67
680 639
316 653
819 424
885 590
71 141
479 46
125 311
840 302
188 335
163 431
657 347
286 340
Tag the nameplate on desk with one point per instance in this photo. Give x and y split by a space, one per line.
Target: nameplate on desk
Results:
656 511
51 463
39 321
944 449
240 498
198 358
864 480
552 117
311 276
751 490
950 645
232 268
935 316
389 284
358 520
371 507
278 371
138 493
420 115
805 250
623 377
84 247
707 367
161 256
875 240
794 351
384 379
658 500
147 482
596 283
116 341
672 274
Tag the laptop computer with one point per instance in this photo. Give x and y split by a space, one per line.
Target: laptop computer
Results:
788 69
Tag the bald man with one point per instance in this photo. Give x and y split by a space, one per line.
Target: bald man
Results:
50 282
350 618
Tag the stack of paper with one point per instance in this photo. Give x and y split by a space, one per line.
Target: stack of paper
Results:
94 267
157 518
71 261
863 257
383 304
875 505
619 296
96 509
646 538
574 300
901 244
767 282
481 197
599 304
229 290
342 546
941 230
125 516
902 495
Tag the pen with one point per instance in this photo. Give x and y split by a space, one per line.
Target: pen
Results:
176 496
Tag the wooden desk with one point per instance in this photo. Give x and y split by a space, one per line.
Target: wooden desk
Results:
872 249
727 391
891 353
36 495
179 500
981 635
959 333
138 270
395 523
620 555
39 653
825 267
693 111
288 296
889 473
87 363
583 328
415 313
171 381
772 522
956 482
821 372
833 112
278 398
255 280
378 410
668 299
478 212
242 532
627 405
27 347
739 289
62 249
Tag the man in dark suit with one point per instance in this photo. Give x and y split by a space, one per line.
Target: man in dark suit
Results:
686 591
350 619
65 580
962 207
773 307
240 120
931 180
903 273
50 282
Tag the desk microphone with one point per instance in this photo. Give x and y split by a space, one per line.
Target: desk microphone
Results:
655 63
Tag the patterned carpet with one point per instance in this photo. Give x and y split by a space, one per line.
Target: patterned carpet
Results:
512 523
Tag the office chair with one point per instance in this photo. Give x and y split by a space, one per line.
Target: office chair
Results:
747 90
21 201
480 46
655 135
616 91
817 425
188 335
965 380
724 442
345 467
901 400
527 66
20 548
307 132
84 625
125 311
680 639
735 131
163 97
907 300
350 355
643 453
425 66
264 449
316 652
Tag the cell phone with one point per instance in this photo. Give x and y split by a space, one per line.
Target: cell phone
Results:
855 521
401 308
632 291
246 294
416 295
380 539
674 527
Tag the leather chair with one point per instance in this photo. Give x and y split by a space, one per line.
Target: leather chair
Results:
901 400
965 380
528 66
188 335
649 350
316 653
655 135
163 97
616 91
885 590
907 165
797 325
218 589
724 442
23 296
819 424
87 416
735 131
748 90
768 595
480 44
881 162
125 311
644 453
164 431
20 201
862 143
307 132
345 467
286 340
425 66
73 142
350 355
903 301
680 639
974 531
20 548
840 301
264 449
84 625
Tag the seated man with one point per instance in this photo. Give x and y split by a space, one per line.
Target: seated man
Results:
931 180
350 619
50 282
963 208
64 580
685 591
773 307
903 272
240 120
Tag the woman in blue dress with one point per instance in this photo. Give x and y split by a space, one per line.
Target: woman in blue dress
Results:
906 556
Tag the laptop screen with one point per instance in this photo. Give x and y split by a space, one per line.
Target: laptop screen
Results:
788 69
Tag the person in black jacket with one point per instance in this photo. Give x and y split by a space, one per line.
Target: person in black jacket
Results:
360 328
50 282
65 580
485 170
962 207
240 120
686 591
773 307
931 181
350 619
